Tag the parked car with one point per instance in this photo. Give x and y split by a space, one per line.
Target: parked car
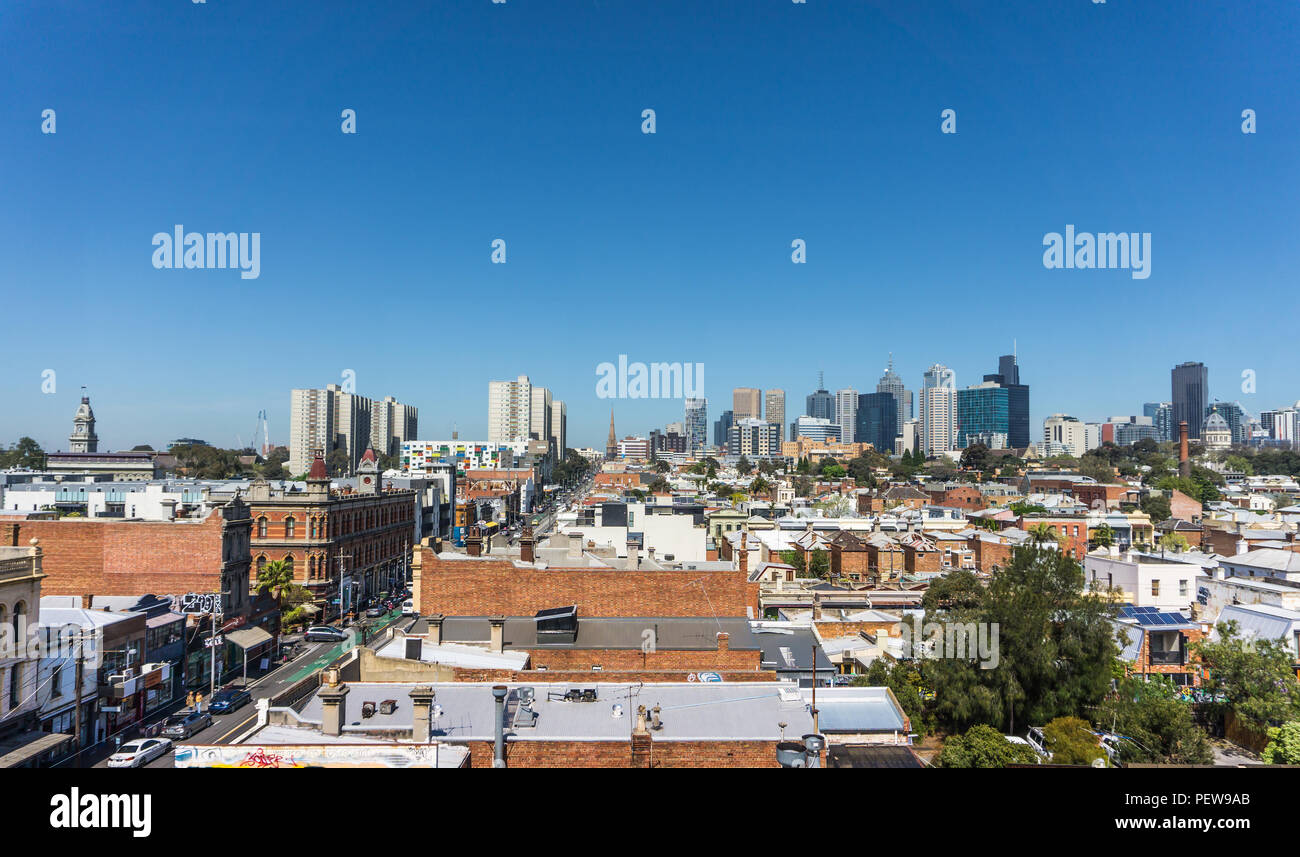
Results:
230 699
325 634
183 724
375 611
139 752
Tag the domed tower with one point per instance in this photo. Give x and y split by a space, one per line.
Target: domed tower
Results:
83 438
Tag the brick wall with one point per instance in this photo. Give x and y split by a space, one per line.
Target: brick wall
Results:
483 587
86 556
635 659
618 754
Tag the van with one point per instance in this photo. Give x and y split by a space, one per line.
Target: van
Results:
408 607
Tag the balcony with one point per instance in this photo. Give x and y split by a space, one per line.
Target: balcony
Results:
1176 658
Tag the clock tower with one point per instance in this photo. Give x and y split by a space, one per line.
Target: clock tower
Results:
83 438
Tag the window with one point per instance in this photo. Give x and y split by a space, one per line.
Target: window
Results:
1182 588
261 527
56 680
1155 587
290 527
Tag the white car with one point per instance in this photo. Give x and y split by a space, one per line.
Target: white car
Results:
408 607
141 751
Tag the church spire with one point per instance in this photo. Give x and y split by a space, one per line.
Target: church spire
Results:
611 445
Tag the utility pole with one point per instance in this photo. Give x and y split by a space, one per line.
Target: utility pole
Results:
76 695
342 605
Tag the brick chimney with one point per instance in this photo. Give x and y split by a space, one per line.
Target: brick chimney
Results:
817 608
744 554
498 638
435 629
11 535
474 542
724 641
421 705
1184 464
527 545
333 699
642 742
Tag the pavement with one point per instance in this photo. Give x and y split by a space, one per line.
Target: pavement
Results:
227 727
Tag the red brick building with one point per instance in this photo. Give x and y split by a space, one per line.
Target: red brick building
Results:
343 545
1072 533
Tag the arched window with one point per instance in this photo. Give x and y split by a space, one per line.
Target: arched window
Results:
288 563
261 527
290 527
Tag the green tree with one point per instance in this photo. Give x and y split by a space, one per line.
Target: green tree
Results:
984 747
1158 721
659 485
1283 744
1071 742
1157 507
27 453
1256 677
278 575
759 486
743 467
1041 534
1103 536
662 466
976 457
1055 643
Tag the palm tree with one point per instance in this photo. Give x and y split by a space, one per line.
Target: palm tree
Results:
1043 533
759 486
277 575
1103 536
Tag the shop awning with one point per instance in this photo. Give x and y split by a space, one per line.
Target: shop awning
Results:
248 638
20 749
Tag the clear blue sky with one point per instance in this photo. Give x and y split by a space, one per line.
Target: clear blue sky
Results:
523 121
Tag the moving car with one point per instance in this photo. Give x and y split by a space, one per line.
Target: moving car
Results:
325 634
139 752
408 607
230 699
375 611
183 724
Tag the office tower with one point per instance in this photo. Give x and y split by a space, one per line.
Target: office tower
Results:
846 413
820 404
560 429
938 418
697 425
1064 434
775 407
877 421
1008 377
746 403
892 383
815 429
1128 430
1162 417
722 428
984 415
510 410
1190 383
753 438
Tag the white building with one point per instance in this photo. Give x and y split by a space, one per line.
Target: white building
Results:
846 413
1067 432
332 418
1143 580
938 417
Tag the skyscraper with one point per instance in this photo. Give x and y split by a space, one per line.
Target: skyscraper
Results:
332 418
1190 383
775 407
820 404
938 418
1162 417
697 425
877 421
891 382
747 403
1008 377
846 413
983 415
559 428
722 428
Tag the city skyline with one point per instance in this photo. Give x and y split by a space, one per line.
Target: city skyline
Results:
704 210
